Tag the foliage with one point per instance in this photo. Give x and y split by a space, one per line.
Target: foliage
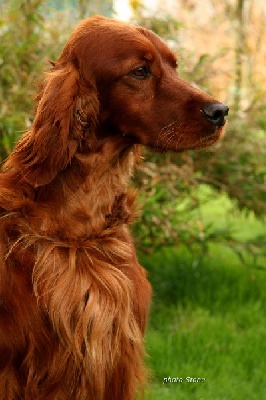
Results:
169 184
15 66
23 48
171 194
239 167
27 42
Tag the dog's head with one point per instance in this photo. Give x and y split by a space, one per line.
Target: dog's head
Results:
114 81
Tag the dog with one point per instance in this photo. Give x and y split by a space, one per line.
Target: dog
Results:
74 300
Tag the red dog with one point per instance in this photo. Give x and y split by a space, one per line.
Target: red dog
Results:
73 298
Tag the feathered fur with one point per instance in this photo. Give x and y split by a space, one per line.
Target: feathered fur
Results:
74 300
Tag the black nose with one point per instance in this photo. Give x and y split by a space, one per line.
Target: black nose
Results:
215 112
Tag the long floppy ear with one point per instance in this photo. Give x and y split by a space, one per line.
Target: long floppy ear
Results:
66 118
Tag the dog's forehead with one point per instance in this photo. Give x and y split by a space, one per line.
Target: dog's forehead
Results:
141 41
160 45
118 39
104 47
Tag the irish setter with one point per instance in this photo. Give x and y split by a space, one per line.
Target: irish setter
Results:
74 300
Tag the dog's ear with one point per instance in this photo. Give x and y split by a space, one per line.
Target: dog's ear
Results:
66 118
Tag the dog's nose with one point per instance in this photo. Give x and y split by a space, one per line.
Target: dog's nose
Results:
215 112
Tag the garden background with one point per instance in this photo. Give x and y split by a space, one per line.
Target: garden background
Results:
201 234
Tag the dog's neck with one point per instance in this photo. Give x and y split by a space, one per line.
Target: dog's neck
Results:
89 197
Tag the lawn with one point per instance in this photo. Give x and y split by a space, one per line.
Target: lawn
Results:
208 321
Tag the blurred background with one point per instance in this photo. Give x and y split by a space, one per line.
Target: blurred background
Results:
202 233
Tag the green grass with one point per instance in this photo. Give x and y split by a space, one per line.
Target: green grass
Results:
208 320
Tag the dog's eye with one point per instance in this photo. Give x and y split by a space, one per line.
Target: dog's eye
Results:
141 72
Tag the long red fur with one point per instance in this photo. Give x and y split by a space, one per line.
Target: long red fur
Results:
74 300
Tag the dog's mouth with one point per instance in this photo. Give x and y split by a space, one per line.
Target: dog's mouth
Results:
207 140
211 139
174 140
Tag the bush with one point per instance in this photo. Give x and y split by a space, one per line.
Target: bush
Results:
27 42
169 183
